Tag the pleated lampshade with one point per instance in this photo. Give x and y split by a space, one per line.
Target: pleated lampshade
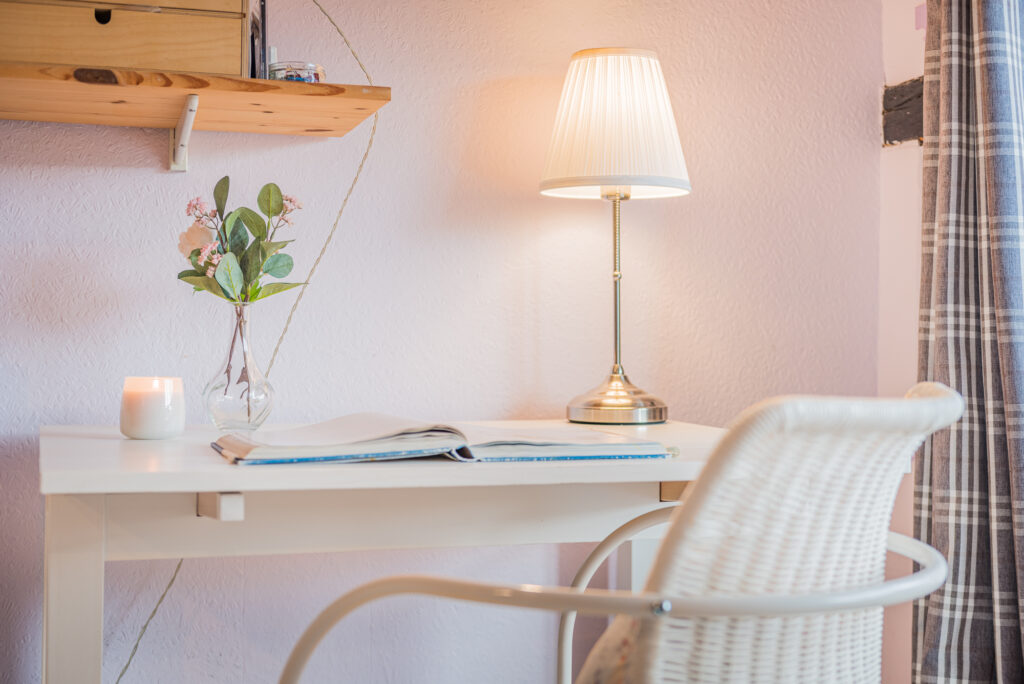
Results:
615 128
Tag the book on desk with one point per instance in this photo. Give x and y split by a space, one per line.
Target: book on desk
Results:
377 437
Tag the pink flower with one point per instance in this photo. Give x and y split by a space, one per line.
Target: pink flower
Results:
213 260
197 208
194 237
206 250
290 203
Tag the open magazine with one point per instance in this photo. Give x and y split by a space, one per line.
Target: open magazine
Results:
379 437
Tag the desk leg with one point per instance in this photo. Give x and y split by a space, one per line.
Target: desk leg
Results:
635 559
73 589
642 552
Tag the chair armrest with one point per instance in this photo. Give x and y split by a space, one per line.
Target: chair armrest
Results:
931 575
602 602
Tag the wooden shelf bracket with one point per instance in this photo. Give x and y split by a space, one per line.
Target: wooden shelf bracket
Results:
181 133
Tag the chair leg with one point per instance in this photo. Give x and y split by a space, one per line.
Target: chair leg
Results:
586 573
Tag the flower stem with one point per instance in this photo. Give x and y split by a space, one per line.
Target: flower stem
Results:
245 370
235 334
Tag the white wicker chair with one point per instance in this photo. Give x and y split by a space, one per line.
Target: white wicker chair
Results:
772 568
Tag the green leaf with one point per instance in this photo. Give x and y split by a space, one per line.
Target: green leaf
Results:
275 288
254 222
254 291
238 240
204 283
229 275
189 272
252 261
278 265
220 196
193 258
229 224
272 248
270 201
236 235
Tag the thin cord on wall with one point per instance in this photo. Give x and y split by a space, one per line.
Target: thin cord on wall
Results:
152 614
327 243
344 202
291 313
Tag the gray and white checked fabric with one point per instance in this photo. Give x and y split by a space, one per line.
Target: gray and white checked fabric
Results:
969 494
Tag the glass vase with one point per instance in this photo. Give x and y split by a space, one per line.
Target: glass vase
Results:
239 397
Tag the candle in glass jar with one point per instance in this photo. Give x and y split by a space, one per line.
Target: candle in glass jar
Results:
152 408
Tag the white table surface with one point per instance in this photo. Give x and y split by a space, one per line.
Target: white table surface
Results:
98 460
109 498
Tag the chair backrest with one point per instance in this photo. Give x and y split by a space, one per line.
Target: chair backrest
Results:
796 499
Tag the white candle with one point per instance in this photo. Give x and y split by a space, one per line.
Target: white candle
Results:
152 408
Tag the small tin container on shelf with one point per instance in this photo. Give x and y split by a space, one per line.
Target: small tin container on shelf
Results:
297 71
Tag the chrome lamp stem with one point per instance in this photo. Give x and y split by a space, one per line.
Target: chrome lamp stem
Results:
617 401
617 278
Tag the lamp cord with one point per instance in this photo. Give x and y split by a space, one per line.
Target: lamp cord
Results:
291 313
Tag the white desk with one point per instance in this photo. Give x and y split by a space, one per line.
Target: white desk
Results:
108 498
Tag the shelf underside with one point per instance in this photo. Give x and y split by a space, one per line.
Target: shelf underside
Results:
123 97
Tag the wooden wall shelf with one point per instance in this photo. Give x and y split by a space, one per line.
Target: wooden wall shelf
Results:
124 97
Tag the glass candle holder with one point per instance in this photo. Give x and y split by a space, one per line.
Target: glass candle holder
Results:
297 71
152 408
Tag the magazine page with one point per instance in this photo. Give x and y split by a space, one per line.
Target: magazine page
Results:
556 442
565 434
351 429
376 436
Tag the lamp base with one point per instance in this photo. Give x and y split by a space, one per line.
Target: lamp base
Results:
617 401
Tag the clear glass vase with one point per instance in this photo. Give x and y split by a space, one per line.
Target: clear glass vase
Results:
239 397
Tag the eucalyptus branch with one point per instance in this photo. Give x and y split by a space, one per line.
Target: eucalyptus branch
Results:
241 262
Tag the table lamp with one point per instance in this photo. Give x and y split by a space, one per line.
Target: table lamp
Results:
615 138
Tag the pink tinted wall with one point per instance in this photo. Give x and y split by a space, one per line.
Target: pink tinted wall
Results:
452 290
899 266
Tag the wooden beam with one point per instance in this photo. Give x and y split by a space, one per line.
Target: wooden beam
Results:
903 112
672 491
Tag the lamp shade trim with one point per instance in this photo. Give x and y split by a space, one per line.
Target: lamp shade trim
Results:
618 51
589 187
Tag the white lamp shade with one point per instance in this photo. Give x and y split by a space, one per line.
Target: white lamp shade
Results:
615 128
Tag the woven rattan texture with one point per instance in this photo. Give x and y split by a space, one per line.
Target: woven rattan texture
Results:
797 499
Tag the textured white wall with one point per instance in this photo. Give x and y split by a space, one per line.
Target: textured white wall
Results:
453 290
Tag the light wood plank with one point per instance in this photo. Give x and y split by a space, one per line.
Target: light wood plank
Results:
131 39
236 7
672 491
119 97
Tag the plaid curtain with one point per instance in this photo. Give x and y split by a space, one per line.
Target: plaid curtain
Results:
969 493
